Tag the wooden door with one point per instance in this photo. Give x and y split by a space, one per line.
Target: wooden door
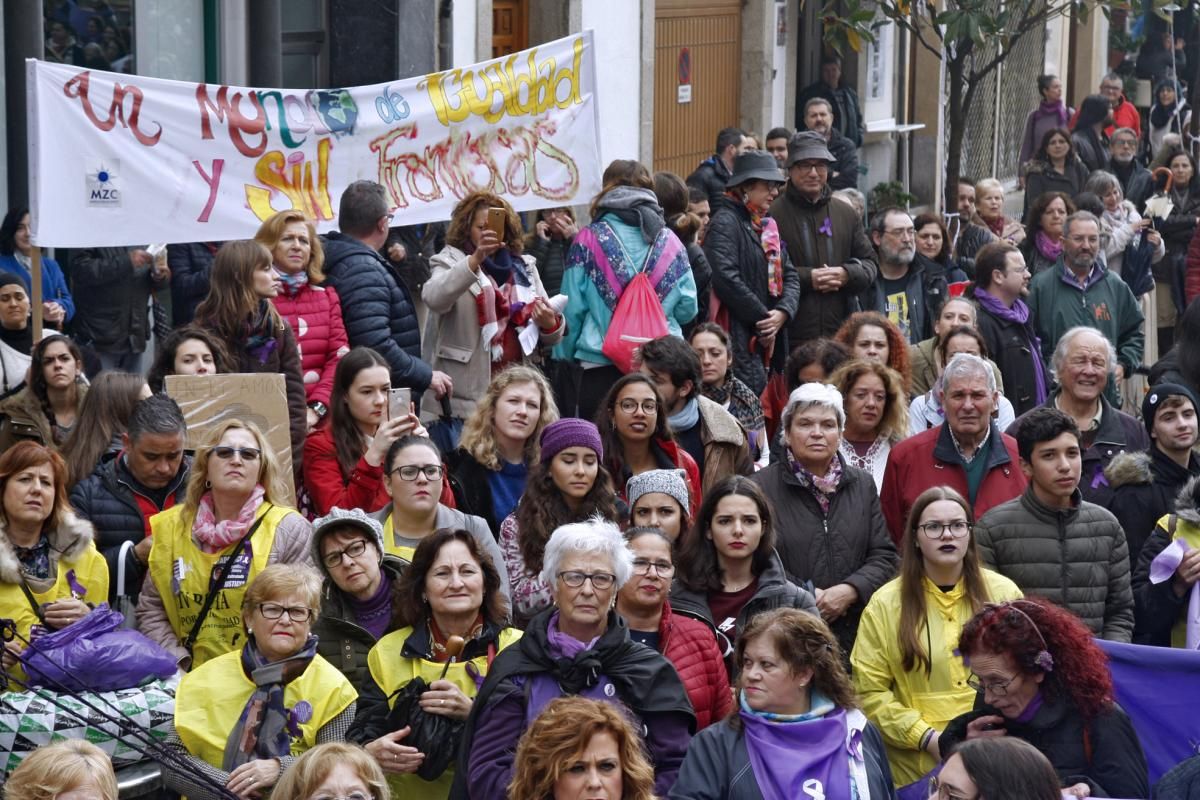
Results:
510 27
697 43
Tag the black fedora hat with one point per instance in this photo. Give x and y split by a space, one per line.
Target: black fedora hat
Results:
755 165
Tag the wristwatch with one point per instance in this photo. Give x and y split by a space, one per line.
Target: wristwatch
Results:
319 407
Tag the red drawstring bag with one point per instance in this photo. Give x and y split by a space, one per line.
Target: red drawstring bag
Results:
639 316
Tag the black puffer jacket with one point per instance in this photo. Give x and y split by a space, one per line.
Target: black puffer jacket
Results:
191 270
702 274
710 177
1144 487
739 280
340 639
845 244
846 166
106 499
1115 765
469 481
1077 558
775 590
1011 347
849 545
377 307
551 257
111 300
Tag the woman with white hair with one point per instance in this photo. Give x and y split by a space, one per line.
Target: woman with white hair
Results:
580 646
831 528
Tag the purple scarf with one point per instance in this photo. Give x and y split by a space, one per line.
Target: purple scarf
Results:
1049 248
564 645
1049 108
1019 313
799 759
1031 710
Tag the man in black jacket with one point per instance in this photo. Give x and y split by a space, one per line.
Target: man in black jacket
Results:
714 171
148 475
847 115
903 292
1136 183
112 294
377 307
843 173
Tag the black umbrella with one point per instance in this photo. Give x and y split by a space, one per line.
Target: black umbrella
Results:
434 735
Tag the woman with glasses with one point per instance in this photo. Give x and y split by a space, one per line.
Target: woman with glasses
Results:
451 589
232 524
690 644
798 732
905 669
360 583
1040 676
343 461
731 571
414 479
569 484
334 771
243 717
580 646
636 438
996 769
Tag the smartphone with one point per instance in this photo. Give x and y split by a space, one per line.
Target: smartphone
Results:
496 219
398 402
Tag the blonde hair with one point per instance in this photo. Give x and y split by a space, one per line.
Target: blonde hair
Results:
271 231
893 422
270 476
280 580
478 435
60 767
559 736
313 766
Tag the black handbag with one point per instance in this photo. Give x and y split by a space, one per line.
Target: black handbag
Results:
436 736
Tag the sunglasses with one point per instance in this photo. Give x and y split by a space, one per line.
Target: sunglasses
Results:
244 453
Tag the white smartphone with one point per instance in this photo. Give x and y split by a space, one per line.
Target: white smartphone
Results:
399 401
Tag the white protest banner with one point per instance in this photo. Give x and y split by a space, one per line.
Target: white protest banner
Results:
122 160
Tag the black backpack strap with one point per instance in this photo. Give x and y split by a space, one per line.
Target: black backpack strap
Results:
219 583
33 603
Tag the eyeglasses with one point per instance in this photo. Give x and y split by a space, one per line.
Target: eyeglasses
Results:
958 528
410 472
351 551
600 580
275 611
901 233
998 688
811 166
244 453
351 796
944 792
665 569
1124 142
629 405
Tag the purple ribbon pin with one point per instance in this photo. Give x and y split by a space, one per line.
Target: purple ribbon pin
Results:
77 588
827 227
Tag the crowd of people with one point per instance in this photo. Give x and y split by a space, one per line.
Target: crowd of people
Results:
854 523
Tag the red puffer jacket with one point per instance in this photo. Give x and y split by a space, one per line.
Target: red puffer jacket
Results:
315 316
691 646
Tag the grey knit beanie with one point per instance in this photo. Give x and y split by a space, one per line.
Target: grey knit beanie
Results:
666 481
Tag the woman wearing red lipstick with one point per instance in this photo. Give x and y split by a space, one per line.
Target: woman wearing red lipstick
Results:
687 643
731 570
876 414
344 459
905 669
238 310
569 484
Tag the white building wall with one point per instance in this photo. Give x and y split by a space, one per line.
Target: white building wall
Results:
464 19
619 72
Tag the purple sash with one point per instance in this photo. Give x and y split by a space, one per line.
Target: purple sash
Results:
799 760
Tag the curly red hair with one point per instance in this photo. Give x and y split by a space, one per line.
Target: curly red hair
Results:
897 345
1080 670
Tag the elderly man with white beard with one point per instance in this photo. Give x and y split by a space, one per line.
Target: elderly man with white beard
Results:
903 291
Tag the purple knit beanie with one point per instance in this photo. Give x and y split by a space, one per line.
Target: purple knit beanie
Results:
570 432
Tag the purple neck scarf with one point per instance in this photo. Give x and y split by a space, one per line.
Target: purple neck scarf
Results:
1019 313
1049 248
563 645
799 759
1055 109
1035 705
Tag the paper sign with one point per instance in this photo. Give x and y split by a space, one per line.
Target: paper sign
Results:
122 159
260 398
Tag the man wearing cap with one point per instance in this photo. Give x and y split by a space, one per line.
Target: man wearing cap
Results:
1145 484
752 276
356 600
818 116
903 291
825 240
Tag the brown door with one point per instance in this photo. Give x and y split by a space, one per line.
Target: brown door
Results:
697 46
510 27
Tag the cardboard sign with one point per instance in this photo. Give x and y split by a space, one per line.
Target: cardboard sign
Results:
259 398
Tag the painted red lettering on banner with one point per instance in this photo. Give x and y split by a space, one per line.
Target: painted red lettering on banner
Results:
79 86
240 125
463 162
213 181
292 176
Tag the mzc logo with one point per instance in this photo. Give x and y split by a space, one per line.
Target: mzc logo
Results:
102 183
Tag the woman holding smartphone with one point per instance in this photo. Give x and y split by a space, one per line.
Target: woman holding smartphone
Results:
343 461
488 304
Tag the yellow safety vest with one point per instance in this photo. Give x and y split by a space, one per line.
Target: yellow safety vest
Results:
91 572
391 671
210 700
389 543
182 573
1190 534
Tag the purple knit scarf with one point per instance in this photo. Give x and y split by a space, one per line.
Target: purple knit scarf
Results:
1052 108
799 759
1019 313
